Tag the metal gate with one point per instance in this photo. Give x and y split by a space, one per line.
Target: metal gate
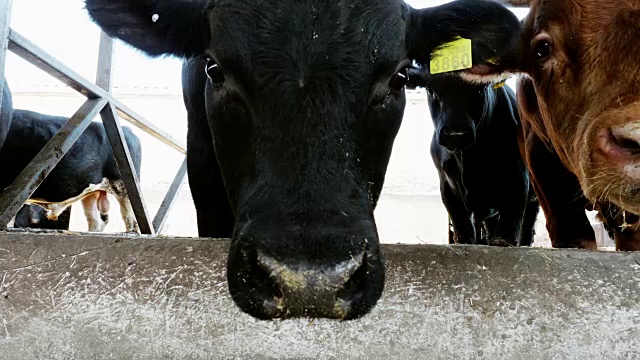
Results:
99 101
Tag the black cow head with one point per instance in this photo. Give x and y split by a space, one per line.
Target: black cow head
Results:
304 100
35 217
458 107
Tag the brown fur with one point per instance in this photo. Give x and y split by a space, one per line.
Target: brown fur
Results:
590 82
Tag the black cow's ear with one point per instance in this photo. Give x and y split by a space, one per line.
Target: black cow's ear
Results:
157 27
494 32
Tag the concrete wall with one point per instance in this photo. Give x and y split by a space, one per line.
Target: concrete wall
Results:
100 297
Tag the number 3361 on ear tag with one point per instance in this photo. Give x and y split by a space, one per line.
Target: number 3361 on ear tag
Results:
451 56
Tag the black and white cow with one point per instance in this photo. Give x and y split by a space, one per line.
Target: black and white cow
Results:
86 173
484 182
299 102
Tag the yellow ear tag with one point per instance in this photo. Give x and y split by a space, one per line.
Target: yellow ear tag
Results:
452 56
499 85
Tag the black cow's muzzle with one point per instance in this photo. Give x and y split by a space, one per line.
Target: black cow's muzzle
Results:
309 291
268 288
457 139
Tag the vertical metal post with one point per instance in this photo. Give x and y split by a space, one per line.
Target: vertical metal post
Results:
170 198
116 137
5 21
105 63
127 170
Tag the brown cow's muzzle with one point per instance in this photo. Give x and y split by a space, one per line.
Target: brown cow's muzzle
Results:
612 171
621 145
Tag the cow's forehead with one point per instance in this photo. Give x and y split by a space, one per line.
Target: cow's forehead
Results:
316 36
602 33
584 19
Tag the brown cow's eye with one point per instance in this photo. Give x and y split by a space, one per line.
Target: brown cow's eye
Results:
542 50
214 73
399 80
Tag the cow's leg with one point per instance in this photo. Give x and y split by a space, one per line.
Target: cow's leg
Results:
451 232
531 212
481 238
463 224
491 226
207 190
513 203
622 227
482 235
560 197
117 189
509 226
627 241
214 215
92 212
128 216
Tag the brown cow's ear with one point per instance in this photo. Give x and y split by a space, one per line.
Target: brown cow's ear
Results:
157 27
494 32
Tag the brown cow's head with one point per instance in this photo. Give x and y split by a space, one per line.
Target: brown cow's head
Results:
581 92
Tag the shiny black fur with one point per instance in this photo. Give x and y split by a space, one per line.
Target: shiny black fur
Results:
484 182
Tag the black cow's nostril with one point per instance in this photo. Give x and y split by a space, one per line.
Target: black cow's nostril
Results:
456 140
354 288
455 133
260 290
288 283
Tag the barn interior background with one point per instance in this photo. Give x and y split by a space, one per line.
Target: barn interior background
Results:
410 209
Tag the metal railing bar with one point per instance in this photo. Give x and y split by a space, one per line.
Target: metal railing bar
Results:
14 196
104 81
125 165
170 198
104 74
38 57
5 21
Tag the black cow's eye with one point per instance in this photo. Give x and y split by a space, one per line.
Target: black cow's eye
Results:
542 50
214 73
399 80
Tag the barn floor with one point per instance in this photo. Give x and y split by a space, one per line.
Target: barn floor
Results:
89 296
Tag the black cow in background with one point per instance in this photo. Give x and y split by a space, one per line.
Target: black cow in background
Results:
35 217
295 112
87 173
484 182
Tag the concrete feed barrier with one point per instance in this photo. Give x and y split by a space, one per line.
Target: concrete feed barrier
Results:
86 296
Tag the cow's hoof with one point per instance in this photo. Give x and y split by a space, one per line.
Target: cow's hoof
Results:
500 242
628 245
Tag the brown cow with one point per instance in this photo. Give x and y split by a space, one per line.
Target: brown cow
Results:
580 105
